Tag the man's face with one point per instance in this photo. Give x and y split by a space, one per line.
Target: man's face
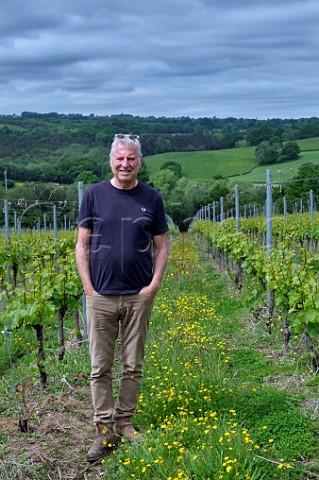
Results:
125 165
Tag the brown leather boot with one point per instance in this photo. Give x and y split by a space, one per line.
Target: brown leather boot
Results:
103 444
129 432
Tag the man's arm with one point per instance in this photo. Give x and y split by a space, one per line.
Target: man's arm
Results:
160 262
82 255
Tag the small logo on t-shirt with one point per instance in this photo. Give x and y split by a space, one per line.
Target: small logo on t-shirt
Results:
143 209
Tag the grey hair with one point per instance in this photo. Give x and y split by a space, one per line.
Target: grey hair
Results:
127 142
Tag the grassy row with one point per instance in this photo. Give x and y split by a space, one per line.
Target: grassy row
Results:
205 407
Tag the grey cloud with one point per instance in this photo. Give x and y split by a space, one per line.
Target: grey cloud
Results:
160 58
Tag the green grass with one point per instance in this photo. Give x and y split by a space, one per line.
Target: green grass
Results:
238 164
207 164
185 381
280 171
16 345
309 144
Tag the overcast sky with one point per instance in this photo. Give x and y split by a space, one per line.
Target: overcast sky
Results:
239 58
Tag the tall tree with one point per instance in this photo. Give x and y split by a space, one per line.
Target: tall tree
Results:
266 154
290 151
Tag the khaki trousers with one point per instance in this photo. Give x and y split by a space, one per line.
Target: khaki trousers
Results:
107 315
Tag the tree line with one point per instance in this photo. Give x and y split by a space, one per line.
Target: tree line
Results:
59 148
45 155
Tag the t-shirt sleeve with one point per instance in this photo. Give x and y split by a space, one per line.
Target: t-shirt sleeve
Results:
85 216
160 224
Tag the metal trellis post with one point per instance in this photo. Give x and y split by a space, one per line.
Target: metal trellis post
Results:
222 214
237 207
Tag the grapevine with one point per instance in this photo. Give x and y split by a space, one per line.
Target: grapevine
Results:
290 273
39 283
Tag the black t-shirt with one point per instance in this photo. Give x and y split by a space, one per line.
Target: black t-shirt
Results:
123 223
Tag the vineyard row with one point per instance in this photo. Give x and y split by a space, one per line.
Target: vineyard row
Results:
284 283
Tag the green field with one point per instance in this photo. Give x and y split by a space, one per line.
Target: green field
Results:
238 164
207 164
309 144
280 171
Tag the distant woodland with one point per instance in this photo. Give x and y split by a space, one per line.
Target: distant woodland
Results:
44 156
59 148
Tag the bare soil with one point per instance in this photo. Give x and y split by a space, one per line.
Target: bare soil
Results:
60 433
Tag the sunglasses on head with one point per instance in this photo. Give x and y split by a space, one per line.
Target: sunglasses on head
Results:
127 135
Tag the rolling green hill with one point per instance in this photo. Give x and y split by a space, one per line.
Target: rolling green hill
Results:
280 171
207 164
238 163
309 144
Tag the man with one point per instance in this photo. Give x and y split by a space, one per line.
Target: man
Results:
121 255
